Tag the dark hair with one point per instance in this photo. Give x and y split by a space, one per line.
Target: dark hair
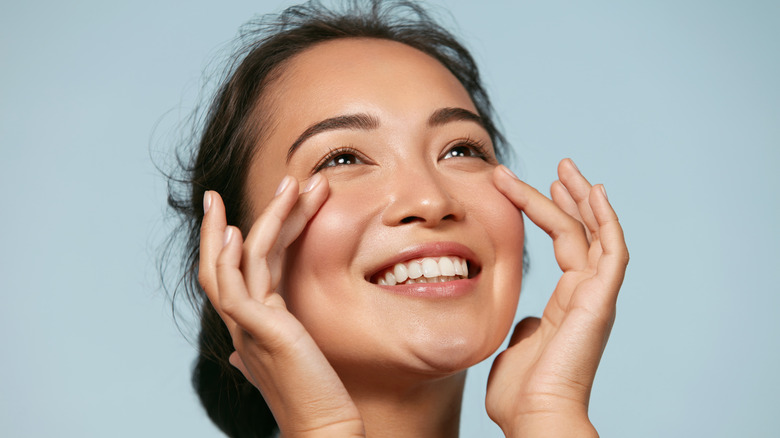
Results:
218 161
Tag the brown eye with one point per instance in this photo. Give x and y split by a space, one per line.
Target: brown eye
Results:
466 149
341 160
460 151
339 157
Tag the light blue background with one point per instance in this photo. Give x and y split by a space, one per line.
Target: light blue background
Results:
674 105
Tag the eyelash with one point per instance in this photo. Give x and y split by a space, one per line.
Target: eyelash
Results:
334 153
477 146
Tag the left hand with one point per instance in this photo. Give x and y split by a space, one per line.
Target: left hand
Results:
540 385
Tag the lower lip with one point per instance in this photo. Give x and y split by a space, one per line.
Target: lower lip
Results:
447 289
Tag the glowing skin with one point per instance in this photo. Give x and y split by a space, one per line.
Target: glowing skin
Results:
402 192
407 197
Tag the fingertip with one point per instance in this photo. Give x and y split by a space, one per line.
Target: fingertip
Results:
598 192
557 185
227 237
504 171
572 164
286 182
206 202
602 208
313 183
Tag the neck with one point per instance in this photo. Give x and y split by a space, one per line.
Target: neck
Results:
428 407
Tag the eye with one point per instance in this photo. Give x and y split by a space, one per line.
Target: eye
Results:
467 148
339 157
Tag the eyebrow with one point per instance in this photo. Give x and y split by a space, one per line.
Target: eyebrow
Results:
360 121
443 116
367 122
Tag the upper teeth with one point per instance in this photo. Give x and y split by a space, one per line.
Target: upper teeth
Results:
425 270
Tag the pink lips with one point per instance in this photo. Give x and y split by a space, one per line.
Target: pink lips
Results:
433 290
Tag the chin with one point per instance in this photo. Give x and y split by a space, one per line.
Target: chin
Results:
452 354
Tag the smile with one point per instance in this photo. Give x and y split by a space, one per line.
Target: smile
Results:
423 270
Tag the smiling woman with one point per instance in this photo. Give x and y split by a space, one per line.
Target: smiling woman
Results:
358 246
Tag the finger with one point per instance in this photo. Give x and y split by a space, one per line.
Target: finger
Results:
524 329
579 189
309 202
569 240
563 199
233 292
277 227
212 232
612 264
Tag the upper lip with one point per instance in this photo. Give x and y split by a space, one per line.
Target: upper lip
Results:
429 249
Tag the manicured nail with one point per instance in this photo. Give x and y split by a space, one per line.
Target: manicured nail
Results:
206 202
228 235
283 185
604 191
507 171
313 182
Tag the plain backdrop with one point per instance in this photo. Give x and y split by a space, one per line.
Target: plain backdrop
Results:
673 105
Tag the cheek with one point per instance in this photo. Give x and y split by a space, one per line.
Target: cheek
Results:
502 224
500 218
323 254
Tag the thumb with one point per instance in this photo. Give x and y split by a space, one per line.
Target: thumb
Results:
523 329
236 361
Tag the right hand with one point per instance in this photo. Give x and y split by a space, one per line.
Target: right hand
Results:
273 349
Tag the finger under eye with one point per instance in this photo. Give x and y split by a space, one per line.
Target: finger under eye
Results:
307 206
579 189
569 240
261 238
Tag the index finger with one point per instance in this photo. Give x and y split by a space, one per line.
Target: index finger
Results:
568 234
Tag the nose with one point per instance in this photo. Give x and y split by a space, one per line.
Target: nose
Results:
422 196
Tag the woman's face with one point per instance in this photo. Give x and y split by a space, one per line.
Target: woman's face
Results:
410 173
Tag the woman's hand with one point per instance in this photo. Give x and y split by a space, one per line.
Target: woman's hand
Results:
540 385
273 349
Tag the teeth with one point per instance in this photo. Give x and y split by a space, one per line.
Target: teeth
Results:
400 272
414 269
446 267
426 270
458 268
430 268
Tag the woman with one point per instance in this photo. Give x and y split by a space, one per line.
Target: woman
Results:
383 247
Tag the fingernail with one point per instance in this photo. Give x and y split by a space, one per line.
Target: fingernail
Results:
228 235
507 171
206 202
283 185
313 182
573 164
604 191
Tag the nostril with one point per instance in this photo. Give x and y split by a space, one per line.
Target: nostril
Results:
410 219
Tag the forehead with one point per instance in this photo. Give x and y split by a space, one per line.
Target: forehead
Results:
369 75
